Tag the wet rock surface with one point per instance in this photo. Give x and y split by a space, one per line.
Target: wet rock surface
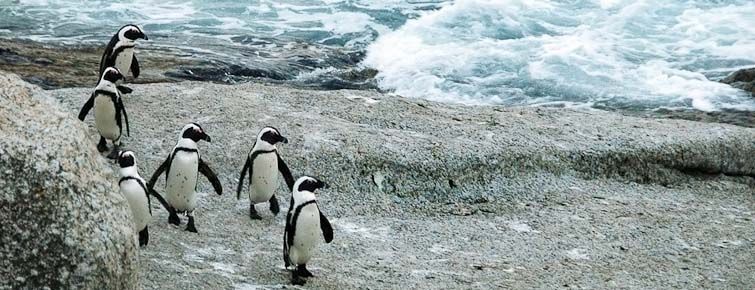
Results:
437 196
742 79
64 224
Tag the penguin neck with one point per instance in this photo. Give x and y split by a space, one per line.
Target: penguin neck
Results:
263 146
187 143
301 197
129 171
123 41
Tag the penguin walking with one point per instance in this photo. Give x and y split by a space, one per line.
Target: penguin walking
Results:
136 193
263 163
108 107
303 224
181 171
119 52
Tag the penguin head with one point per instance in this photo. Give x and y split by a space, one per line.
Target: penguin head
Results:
270 135
309 184
126 159
131 32
194 132
112 74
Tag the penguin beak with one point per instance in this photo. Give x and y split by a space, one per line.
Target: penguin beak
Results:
207 138
284 140
324 185
143 36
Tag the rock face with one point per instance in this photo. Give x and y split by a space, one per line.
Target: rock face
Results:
742 79
64 224
440 196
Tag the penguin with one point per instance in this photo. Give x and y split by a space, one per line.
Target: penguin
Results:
108 109
303 222
181 171
263 163
119 52
136 193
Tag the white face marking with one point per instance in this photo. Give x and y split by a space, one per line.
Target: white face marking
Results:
106 85
122 40
302 196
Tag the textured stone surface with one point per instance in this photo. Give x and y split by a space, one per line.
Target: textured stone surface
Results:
437 196
742 79
64 224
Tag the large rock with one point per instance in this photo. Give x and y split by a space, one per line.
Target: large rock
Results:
742 79
64 224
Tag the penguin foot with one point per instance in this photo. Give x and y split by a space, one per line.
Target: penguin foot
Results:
113 154
174 219
274 207
102 146
302 271
253 213
143 237
296 280
190 227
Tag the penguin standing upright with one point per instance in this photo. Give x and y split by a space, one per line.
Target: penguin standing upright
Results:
181 171
303 224
263 163
108 107
136 193
119 52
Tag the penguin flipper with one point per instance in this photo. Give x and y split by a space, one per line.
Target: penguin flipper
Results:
87 106
162 201
327 229
246 167
158 172
207 172
134 66
289 234
124 89
125 116
283 168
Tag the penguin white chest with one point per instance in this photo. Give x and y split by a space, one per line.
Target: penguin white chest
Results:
264 177
307 235
137 201
182 181
104 117
123 60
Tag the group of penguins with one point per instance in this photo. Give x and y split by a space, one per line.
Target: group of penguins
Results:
304 220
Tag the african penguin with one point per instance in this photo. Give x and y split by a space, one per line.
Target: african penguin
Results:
119 52
303 224
181 171
136 193
263 163
108 107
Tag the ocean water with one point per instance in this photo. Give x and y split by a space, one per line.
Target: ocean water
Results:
592 53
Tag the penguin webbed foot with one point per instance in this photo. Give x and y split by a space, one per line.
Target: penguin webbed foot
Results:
296 279
302 271
190 227
274 207
143 237
174 219
102 146
253 212
114 153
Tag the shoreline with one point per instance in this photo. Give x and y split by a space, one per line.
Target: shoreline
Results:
53 67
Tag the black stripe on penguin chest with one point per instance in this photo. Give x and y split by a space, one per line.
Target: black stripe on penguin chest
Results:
295 217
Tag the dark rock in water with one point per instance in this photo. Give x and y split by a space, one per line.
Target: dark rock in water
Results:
64 224
742 79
